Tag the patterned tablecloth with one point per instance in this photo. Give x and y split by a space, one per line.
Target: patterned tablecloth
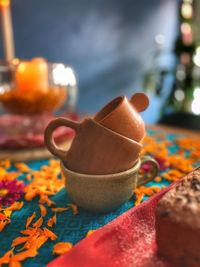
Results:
176 153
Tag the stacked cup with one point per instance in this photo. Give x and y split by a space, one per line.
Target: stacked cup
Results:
101 167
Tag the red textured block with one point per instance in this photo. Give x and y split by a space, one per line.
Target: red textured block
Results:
128 241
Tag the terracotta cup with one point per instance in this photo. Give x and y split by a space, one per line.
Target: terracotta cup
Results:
104 193
94 149
122 116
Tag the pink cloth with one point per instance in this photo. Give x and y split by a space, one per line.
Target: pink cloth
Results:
128 241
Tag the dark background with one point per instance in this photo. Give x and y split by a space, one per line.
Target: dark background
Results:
109 43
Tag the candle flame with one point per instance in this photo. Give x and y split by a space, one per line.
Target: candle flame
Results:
4 3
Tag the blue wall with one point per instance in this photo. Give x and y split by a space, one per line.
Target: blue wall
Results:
108 42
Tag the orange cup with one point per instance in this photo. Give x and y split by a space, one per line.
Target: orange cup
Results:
122 116
94 149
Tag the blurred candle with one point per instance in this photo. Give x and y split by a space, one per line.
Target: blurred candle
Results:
7 30
32 76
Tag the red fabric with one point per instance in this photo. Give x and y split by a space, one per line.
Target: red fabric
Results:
128 241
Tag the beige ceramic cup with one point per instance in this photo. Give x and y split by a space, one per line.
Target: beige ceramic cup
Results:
104 193
94 149
122 116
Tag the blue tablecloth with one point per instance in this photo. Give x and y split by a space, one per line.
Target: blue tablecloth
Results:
69 227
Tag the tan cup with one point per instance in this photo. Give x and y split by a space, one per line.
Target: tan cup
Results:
122 116
94 149
104 193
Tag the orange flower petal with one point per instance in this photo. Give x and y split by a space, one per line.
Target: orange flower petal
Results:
74 208
29 231
139 199
30 195
43 210
3 224
40 241
22 167
59 209
6 257
2 216
2 172
45 199
19 240
50 234
8 213
90 232
14 264
38 223
30 219
16 206
52 221
29 253
5 164
62 247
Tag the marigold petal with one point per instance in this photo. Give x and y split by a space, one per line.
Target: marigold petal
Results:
50 234
59 209
14 264
2 216
8 213
5 164
22 167
3 224
38 223
2 172
90 232
74 208
30 219
62 247
39 242
43 210
30 194
52 221
16 206
6 257
29 231
29 253
19 240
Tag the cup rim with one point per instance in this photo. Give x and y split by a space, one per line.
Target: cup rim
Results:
119 98
103 176
113 132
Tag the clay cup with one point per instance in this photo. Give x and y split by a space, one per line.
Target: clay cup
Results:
104 193
122 116
95 149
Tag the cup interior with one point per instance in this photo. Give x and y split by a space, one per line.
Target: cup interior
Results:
109 108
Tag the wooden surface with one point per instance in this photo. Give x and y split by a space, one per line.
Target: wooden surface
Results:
30 153
43 153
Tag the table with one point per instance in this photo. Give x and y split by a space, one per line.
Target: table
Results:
180 145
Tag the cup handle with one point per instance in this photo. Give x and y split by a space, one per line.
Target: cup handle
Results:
139 101
48 135
148 175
